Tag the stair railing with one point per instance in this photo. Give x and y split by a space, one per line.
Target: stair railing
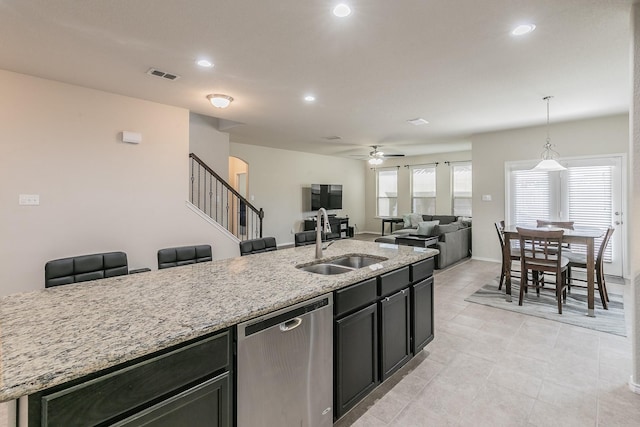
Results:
222 203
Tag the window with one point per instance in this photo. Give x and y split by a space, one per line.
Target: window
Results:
588 193
387 191
461 179
423 189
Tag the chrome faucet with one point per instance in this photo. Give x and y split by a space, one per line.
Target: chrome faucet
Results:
319 229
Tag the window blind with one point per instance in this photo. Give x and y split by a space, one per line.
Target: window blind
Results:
387 189
462 189
531 196
423 189
589 191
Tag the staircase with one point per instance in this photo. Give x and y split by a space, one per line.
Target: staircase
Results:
217 199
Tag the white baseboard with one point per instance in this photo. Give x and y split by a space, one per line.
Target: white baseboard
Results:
634 387
477 258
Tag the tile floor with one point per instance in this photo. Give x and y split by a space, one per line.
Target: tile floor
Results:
491 367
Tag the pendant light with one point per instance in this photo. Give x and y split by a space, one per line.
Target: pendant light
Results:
548 163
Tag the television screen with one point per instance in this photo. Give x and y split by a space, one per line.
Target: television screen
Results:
326 196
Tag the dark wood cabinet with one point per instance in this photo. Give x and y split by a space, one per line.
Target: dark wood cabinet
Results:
421 314
395 332
192 375
380 324
205 405
356 358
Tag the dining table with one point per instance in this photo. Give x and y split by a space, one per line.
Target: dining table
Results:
578 235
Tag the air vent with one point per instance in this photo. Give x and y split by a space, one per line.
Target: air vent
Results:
333 138
164 75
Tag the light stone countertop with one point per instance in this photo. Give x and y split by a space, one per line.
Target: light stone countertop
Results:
54 335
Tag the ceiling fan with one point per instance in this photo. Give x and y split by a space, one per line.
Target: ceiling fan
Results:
376 157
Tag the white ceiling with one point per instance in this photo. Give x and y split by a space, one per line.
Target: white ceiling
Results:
453 63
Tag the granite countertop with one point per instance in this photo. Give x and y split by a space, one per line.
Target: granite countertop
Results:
54 335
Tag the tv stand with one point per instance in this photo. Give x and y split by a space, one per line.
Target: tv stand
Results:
339 227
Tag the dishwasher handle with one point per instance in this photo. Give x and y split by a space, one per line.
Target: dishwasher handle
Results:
290 324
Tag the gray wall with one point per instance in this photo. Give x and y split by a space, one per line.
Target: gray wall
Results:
279 181
97 194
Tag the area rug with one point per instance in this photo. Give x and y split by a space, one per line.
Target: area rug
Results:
574 312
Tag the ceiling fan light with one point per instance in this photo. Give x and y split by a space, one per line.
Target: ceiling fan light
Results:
375 161
219 100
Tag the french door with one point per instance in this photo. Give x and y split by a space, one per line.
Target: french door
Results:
589 192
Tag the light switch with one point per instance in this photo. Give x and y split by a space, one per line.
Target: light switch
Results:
29 199
486 197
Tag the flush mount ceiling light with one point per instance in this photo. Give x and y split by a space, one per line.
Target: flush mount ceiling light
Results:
548 163
342 10
219 100
309 98
205 63
523 29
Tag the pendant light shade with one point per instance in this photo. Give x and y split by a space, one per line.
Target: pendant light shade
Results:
548 163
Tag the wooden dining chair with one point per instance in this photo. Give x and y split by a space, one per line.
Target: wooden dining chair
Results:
579 260
540 252
514 253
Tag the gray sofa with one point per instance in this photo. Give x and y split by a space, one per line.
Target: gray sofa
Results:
454 237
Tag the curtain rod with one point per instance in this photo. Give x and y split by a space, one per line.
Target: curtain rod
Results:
448 163
423 164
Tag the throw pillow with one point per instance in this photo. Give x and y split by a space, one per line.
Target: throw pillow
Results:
416 219
407 221
425 228
439 230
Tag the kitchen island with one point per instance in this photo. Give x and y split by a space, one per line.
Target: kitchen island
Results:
53 336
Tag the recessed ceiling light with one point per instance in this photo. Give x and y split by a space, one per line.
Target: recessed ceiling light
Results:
342 10
418 122
204 63
523 29
309 98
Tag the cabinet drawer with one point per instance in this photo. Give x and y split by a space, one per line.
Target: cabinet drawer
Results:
355 296
204 405
393 281
97 401
421 270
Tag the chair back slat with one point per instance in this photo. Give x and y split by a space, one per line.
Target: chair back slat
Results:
540 249
500 230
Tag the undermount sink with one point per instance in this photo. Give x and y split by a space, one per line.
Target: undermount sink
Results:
343 264
357 261
326 269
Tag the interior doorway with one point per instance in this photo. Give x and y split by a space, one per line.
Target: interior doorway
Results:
239 180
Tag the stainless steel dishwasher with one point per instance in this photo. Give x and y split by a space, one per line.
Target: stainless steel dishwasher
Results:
285 367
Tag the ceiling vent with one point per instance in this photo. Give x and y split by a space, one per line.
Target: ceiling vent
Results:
333 138
164 75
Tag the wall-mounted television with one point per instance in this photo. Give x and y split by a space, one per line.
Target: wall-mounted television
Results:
326 196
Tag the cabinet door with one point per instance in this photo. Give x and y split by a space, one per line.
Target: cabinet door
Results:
421 314
356 358
205 405
395 348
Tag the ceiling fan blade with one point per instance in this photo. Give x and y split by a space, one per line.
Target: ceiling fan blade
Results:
393 155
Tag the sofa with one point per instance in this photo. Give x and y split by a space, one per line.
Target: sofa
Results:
454 235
